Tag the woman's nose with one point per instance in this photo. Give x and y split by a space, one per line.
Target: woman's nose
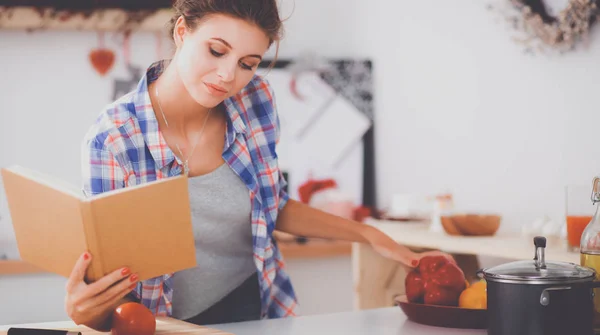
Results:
226 72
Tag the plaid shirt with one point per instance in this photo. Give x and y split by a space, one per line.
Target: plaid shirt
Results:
124 147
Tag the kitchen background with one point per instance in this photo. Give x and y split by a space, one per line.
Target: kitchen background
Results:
459 107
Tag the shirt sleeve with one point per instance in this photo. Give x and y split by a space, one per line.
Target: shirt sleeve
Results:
100 170
101 173
283 195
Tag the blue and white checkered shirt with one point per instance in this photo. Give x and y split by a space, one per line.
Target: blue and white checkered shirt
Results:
124 147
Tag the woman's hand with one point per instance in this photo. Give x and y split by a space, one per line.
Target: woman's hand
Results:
433 253
389 248
92 304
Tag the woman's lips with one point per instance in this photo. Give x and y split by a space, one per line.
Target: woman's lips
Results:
215 90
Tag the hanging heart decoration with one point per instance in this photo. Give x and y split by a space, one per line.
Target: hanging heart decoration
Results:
102 59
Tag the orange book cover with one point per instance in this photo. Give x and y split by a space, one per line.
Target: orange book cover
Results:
145 227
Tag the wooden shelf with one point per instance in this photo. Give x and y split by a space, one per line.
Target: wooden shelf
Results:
17 267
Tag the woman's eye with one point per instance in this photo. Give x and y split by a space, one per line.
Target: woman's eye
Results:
215 53
246 66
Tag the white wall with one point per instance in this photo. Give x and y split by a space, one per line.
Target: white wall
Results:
458 107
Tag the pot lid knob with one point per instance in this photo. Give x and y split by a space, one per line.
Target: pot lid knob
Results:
539 241
540 257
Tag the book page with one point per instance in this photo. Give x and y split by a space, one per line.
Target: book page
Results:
48 180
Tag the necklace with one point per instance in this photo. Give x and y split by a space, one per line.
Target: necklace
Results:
186 167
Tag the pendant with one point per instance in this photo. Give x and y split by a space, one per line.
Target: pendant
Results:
186 169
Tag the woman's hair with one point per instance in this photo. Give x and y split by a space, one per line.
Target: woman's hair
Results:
262 13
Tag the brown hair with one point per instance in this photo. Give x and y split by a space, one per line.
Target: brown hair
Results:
262 13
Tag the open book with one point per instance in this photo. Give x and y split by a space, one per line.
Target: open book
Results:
146 227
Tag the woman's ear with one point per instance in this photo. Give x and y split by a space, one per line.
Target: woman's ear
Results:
179 31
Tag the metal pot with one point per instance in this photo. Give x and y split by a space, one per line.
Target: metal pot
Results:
540 298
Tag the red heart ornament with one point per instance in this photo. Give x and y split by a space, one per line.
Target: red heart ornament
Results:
102 60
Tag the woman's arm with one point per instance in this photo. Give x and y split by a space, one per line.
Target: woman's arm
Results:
300 219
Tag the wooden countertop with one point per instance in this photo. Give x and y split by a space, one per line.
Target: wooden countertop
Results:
164 325
511 246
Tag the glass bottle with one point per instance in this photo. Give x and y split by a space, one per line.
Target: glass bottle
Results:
590 248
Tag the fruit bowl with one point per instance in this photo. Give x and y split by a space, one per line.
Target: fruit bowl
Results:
471 224
442 316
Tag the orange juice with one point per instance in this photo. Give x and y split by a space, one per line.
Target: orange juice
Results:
575 227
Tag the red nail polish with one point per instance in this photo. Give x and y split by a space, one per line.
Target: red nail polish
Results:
132 286
86 256
125 271
415 262
133 278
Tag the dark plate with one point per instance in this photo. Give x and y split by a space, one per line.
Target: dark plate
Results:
443 316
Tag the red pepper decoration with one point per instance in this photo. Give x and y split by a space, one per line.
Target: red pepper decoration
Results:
313 186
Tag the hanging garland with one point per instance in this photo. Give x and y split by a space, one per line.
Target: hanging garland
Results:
563 32
39 18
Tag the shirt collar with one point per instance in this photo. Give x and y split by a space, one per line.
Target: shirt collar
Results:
160 151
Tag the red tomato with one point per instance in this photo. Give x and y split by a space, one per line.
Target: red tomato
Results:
132 318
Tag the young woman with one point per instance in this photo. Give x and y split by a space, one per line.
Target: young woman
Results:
207 114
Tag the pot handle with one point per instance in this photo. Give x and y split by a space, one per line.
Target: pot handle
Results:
545 296
594 284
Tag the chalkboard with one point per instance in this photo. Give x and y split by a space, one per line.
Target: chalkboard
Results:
350 79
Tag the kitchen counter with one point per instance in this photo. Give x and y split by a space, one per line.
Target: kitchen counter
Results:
377 279
509 246
381 321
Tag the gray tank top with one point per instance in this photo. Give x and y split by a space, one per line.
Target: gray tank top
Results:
220 204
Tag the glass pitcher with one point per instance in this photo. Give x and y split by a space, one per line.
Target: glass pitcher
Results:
590 248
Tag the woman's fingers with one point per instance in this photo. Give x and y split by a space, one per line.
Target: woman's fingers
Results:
116 300
77 275
107 281
116 291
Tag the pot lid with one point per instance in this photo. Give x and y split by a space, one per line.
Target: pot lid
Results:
538 270
527 271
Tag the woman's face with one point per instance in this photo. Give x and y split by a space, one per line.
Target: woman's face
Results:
218 58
